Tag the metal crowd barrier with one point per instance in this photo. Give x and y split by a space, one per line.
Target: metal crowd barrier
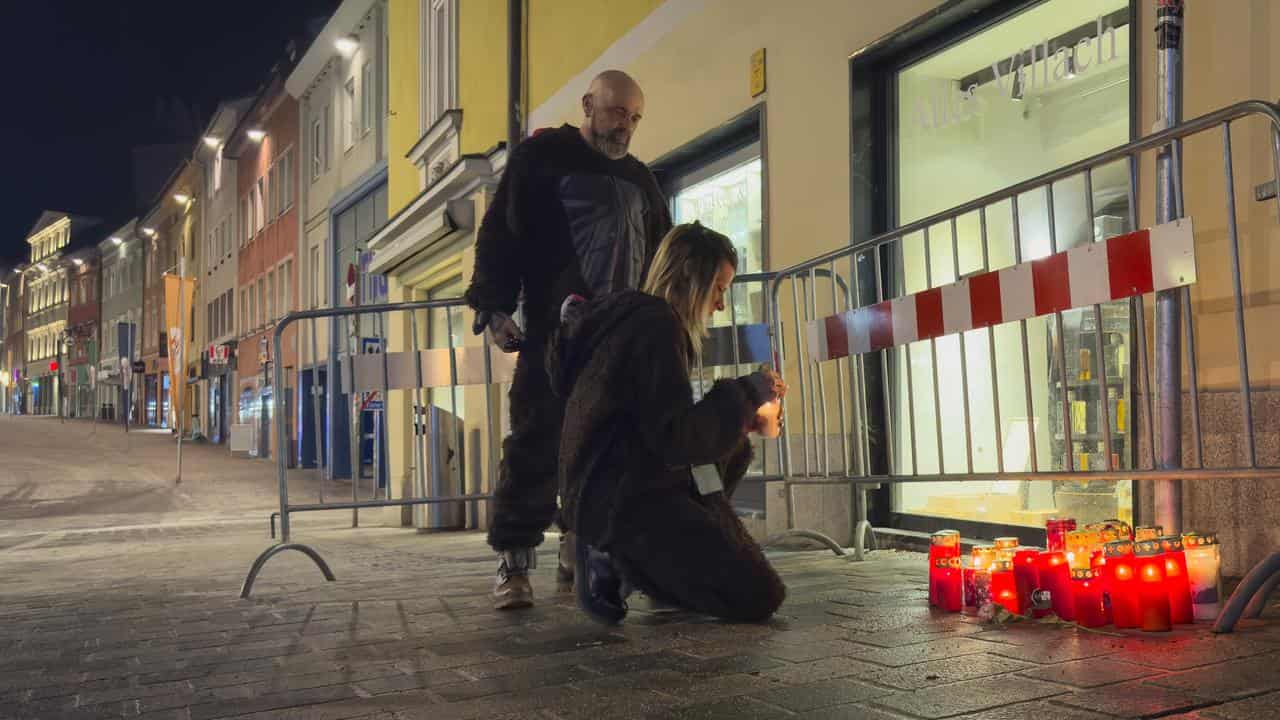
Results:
870 449
419 370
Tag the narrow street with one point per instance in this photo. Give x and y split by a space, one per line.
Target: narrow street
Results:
121 588
77 475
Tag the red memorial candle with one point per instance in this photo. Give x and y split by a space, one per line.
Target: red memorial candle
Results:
1055 531
1153 595
1004 589
1121 584
951 591
1086 593
1026 577
1098 564
1176 580
943 544
1055 578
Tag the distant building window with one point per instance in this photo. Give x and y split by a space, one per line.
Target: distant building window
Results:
367 97
349 112
317 148
438 60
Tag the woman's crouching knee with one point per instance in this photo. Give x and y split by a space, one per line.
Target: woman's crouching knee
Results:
756 601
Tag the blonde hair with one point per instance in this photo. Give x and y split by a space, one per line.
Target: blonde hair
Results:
684 272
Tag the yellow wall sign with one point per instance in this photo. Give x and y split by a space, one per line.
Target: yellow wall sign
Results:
757 73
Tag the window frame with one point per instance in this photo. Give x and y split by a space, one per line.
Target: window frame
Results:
349 105
438 60
367 98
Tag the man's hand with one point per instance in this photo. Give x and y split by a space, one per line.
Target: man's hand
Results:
503 330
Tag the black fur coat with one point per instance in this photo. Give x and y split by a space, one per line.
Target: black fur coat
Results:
632 429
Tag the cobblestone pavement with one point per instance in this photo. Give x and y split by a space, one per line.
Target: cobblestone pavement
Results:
145 621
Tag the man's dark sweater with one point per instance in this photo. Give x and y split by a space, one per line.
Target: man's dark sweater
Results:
566 219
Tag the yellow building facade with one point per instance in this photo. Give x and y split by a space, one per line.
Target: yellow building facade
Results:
447 131
775 123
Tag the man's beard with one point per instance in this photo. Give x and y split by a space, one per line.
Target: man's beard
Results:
613 144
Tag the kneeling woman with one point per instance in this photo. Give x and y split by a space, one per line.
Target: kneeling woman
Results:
646 474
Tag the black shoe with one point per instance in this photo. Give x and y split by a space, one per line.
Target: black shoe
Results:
598 585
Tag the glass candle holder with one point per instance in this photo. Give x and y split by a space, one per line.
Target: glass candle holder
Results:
942 545
1055 531
1086 594
1055 578
1098 565
1113 526
983 556
1147 532
1026 577
950 585
1175 579
968 584
1080 545
1153 596
1004 589
1120 586
981 588
1005 547
1204 564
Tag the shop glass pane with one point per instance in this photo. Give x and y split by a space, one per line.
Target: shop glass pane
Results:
983 114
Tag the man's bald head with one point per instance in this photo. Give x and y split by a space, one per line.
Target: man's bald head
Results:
611 111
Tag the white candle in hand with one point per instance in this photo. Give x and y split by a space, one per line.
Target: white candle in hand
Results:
768 419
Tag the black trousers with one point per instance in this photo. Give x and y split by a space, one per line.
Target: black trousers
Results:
525 499
692 551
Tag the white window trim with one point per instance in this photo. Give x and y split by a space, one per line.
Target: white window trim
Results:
430 76
317 146
350 106
368 106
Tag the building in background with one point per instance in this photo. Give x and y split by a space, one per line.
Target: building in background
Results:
54 235
170 229
83 334
340 84
122 273
264 144
217 274
11 343
447 132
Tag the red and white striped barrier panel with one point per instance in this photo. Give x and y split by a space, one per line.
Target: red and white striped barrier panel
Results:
1153 259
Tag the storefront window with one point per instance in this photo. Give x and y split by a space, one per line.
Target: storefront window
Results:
1037 91
448 328
727 197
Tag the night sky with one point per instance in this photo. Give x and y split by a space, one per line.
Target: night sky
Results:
89 80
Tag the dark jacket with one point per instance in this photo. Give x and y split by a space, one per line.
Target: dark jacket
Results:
565 219
631 426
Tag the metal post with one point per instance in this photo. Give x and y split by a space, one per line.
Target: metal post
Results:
277 401
1168 347
515 73
182 358
57 377
419 424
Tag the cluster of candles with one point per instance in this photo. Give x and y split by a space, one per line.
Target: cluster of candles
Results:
1102 574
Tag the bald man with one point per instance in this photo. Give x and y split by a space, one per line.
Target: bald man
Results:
574 214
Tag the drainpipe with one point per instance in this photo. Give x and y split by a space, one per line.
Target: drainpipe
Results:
1168 316
515 72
